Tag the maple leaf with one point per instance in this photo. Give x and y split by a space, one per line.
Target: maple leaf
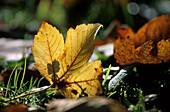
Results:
66 65
151 44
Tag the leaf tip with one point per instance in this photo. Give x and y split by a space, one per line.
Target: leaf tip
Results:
43 24
99 26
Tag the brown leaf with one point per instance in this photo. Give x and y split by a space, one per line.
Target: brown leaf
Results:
146 53
123 53
14 108
156 29
149 45
163 47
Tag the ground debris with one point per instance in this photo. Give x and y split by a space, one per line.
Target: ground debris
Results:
98 104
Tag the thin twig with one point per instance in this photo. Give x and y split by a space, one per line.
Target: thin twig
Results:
22 95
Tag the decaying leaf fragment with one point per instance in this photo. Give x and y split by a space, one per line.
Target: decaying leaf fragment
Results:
151 44
163 47
124 49
66 65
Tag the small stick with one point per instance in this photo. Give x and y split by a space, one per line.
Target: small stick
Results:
22 95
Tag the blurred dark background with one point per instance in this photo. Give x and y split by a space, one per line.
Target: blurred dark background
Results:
22 18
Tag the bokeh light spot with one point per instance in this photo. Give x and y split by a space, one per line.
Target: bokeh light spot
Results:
133 8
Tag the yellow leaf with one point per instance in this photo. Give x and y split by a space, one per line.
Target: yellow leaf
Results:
83 81
66 64
48 45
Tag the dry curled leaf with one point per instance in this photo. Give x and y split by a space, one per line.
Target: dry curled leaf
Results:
66 65
151 44
156 29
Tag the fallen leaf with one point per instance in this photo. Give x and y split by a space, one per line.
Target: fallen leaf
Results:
14 108
20 108
163 48
98 104
151 44
66 65
124 50
156 29
146 53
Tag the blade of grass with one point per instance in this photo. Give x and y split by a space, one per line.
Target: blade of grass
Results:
24 84
113 91
107 74
23 75
16 89
15 77
30 86
39 82
7 89
9 81
34 83
111 94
